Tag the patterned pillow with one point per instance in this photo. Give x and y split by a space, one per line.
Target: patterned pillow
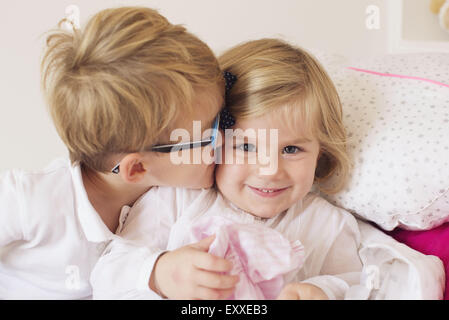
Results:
396 112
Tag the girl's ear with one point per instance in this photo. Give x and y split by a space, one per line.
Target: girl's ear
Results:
322 165
132 168
319 159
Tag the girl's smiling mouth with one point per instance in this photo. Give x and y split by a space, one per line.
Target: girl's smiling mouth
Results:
267 192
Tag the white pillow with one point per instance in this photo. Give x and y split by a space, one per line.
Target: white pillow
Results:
396 112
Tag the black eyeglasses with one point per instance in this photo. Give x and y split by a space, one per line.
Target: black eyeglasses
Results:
167 148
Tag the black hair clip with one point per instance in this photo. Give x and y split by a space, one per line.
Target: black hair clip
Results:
230 80
227 120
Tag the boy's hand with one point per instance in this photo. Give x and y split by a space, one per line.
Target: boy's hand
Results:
191 272
302 291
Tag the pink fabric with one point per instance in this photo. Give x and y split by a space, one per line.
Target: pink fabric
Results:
432 242
260 255
399 76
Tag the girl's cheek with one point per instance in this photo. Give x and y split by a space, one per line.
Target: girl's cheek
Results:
221 176
228 174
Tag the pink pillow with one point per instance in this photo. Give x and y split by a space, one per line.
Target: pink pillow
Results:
432 242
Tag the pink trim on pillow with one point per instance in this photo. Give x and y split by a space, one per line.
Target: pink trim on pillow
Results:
399 76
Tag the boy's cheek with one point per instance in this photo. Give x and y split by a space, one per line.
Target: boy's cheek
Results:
209 178
195 176
198 177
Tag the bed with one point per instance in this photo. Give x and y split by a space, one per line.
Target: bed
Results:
396 113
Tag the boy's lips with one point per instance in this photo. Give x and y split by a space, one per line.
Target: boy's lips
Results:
267 192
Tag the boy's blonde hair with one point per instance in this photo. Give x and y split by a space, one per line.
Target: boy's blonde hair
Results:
276 76
118 84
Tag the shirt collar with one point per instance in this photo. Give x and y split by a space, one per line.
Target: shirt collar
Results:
93 226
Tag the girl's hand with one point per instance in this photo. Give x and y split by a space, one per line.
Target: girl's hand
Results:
191 273
302 291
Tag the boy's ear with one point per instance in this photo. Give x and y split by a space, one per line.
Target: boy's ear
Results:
132 168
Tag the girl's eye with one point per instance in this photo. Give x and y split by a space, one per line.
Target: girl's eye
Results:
247 147
291 149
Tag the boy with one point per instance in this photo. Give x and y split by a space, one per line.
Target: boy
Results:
115 90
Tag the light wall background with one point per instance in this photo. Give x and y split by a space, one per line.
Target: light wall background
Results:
27 137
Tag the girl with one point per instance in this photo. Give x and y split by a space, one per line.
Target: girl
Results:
282 239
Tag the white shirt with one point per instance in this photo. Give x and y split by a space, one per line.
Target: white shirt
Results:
340 259
50 235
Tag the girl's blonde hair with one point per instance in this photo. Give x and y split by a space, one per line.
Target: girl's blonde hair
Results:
276 76
118 84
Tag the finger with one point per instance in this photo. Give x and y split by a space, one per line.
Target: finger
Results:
209 262
204 244
216 280
204 293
